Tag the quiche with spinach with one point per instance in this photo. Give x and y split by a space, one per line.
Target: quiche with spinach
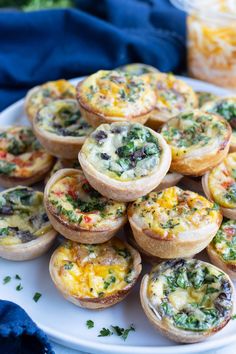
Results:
41 95
95 276
226 108
78 211
187 300
61 129
22 159
173 222
222 249
124 161
25 230
111 96
198 140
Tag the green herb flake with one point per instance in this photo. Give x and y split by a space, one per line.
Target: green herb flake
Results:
17 277
68 265
6 280
105 332
37 296
19 287
89 324
121 332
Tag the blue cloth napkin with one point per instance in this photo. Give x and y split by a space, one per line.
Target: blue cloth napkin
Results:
46 45
19 334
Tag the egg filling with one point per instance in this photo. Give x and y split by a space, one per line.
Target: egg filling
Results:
174 212
190 295
76 203
123 152
94 271
195 131
222 182
224 242
116 94
63 118
22 216
21 155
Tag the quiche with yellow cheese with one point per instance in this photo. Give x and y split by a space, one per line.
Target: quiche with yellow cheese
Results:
61 129
22 159
137 69
41 95
124 161
115 96
219 185
78 211
187 300
199 141
95 276
25 230
172 97
174 222
226 108
222 249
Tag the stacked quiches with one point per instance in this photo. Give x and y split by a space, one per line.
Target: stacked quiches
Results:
115 170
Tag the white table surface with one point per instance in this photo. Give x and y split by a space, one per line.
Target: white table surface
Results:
59 349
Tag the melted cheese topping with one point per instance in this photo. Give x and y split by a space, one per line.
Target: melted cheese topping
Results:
226 108
204 97
190 294
224 243
195 133
123 151
94 271
22 216
116 94
174 212
75 202
222 182
137 69
50 91
21 155
172 95
63 118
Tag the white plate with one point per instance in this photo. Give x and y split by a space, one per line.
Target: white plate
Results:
65 323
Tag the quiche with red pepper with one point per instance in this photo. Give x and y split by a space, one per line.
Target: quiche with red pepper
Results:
198 140
173 223
78 211
187 300
219 185
25 230
124 161
41 95
115 96
222 249
95 276
22 159
173 96
61 129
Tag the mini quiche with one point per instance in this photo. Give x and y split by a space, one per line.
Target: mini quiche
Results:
173 223
138 69
61 129
226 108
222 249
187 300
22 159
124 161
115 96
199 141
204 97
172 97
219 185
41 95
95 276
25 230
78 211
59 165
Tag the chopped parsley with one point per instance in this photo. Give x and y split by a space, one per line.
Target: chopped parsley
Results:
105 332
68 265
17 277
37 296
89 324
122 332
7 279
19 287
109 281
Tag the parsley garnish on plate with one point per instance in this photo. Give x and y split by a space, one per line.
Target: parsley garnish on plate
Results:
19 287
105 332
121 332
17 277
89 324
36 297
7 279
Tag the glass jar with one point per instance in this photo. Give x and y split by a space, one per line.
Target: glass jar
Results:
211 28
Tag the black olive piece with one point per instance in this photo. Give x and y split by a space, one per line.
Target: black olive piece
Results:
100 135
138 155
105 156
6 210
25 236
